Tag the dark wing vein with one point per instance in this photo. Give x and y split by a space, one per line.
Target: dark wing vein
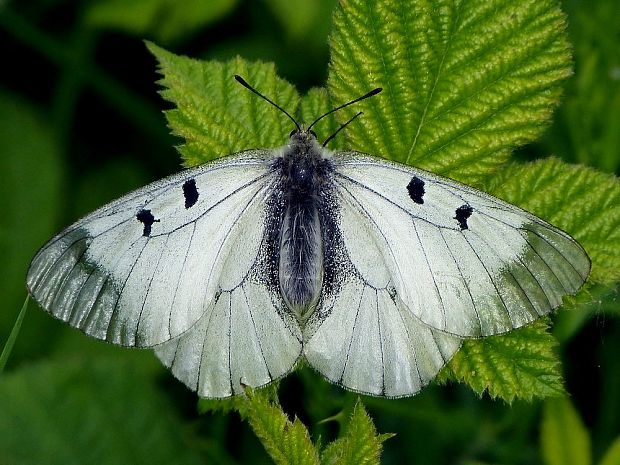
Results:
544 261
471 297
506 268
363 211
380 343
357 312
489 275
428 265
122 289
176 289
260 345
148 289
559 252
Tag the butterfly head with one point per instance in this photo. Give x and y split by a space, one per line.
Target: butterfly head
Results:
303 143
302 135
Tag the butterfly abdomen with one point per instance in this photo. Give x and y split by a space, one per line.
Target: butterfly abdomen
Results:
301 239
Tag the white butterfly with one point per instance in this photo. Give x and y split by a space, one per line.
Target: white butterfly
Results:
372 271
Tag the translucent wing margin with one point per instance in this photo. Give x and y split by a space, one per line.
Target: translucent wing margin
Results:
463 262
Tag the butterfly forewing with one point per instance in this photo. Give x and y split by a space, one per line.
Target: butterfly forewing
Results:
461 261
141 270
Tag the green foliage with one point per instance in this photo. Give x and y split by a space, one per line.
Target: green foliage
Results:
30 157
302 19
214 114
522 363
565 440
585 203
72 408
10 342
286 441
579 200
587 127
289 442
163 20
448 108
359 444
447 105
612 456
464 82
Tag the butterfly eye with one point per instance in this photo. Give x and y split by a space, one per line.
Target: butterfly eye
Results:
313 133
293 132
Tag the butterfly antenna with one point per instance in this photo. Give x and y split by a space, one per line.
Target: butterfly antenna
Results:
342 126
363 97
242 81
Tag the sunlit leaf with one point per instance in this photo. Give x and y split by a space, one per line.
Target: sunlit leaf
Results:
522 363
214 114
359 444
464 82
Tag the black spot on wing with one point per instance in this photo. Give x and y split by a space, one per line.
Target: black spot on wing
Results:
416 190
190 191
462 214
147 219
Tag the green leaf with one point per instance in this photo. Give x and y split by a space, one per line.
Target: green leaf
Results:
582 201
214 114
564 438
286 441
10 342
359 443
464 82
316 103
612 456
289 441
463 85
104 410
520 364
163 20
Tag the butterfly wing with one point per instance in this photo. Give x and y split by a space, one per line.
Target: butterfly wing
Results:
361 335
428 261
463 261
364 338
247 335
144 269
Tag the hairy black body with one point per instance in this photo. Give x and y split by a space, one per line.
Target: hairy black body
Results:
304 172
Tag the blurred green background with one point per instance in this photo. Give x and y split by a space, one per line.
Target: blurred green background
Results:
81 123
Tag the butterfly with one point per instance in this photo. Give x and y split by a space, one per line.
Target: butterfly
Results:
374 272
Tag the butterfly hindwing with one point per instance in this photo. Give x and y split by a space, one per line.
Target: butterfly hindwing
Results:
462 261
364 339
